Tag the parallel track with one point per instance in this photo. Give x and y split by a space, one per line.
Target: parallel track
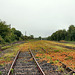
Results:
10 45
63 65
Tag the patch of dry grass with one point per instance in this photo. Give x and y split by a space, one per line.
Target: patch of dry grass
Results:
55 52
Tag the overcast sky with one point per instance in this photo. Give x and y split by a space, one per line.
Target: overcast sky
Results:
38 17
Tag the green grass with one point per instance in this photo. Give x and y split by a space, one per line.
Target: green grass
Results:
51 62
38 57
48 57
5 47
8 55
56 50
12 70
56 61
41 52
69 58
60 69
0 72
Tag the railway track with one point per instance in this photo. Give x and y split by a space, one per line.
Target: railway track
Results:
23 65
69 47
68 69
10 45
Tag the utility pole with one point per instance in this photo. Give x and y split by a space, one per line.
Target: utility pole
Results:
25 33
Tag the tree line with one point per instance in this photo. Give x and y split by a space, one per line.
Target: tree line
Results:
68 35
9 35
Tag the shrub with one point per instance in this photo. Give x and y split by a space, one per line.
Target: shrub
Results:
69 58
2 40
7 39
0 72
56 50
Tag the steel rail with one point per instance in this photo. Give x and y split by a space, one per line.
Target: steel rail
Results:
64 66
69 47
40 69
9 72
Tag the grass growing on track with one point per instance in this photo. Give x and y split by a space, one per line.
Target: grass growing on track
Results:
62 44
5 47
7 55
55 52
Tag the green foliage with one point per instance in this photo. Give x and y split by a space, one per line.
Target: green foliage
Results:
48 57
0 72
18 33
4 29
39 37
9 35
13 36
12 70
2 40
7 39
68 35
56 50
5 47
69 58
56 61
60 69
31 37
51 62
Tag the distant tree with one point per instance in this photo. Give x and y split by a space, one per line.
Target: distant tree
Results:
58 35
39 38
49 38
4 29
31 37
71 28
8 34
26 37
17 34
70 33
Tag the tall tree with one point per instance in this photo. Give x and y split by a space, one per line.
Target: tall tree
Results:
4 29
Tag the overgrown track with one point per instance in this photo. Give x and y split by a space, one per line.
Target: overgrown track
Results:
69 47
10 45
68 69
25 64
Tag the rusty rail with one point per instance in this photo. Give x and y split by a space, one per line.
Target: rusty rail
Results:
64 66
40 69
9 73
13 63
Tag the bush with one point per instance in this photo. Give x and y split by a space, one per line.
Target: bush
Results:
20 39
56 50
7 39
6 47
2 40
69 58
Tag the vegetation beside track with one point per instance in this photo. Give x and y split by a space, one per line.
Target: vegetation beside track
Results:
6 56
65 55
62 44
